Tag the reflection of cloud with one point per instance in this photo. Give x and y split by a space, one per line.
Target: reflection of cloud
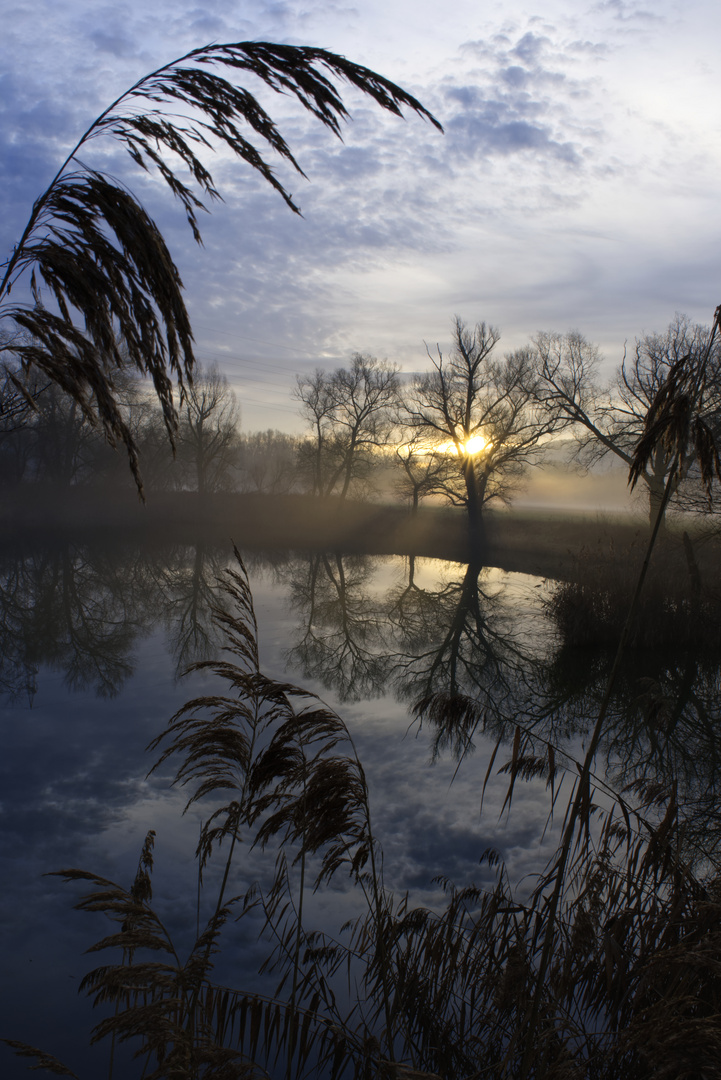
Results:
75 794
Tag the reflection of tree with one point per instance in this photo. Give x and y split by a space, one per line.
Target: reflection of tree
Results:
451 640
187 581
458 647
663 725
17 673
464 658
75 610
81 609
343 626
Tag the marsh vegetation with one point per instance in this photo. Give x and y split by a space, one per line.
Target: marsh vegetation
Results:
504 680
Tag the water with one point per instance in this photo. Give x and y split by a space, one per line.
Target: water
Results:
94 641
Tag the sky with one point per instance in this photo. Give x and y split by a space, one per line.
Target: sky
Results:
575 185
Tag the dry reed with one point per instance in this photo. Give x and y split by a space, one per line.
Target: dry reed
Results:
632 982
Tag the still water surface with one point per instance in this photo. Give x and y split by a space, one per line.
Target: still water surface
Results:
95 639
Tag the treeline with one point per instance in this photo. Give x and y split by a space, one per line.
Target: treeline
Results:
45 437
466 431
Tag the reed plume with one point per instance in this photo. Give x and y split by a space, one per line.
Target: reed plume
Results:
116 294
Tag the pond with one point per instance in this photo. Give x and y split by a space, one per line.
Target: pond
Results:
96 637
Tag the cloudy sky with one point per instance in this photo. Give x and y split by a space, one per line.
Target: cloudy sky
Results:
576 184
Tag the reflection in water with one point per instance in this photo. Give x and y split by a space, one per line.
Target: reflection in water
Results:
187 587
456 638
663 725
343 632
467 660
452 642
458 643
82 610
76 611
455 643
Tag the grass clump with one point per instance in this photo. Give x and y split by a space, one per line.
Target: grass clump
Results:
679 608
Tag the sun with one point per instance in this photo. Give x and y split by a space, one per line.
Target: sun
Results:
476 445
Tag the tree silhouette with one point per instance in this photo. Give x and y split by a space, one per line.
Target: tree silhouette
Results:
103 260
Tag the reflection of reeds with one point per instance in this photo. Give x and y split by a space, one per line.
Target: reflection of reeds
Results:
590 611
631 988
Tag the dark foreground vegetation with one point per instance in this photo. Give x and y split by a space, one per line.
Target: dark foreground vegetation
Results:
605 967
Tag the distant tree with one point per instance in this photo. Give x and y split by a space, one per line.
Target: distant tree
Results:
269 462
423 471
45 437
350 413
482 413
609 418
18 396
208 438
63 442
107 272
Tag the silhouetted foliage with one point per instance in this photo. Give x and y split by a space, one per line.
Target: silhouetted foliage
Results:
350 413
481 411
103 260
612 419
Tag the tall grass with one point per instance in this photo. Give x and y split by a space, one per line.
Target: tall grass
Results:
631 986
679 608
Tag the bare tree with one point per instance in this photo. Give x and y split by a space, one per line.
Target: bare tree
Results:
208 438
316 409
104 263
269 462
609 418
424 472
482 413
350 414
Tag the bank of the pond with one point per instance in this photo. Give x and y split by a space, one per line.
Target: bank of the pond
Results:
551 545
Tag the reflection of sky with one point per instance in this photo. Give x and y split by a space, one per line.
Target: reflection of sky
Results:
74 793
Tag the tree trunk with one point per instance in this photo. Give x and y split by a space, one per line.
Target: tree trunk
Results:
655 496
474 506
349 462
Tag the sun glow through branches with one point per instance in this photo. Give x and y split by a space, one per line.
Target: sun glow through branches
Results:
477 444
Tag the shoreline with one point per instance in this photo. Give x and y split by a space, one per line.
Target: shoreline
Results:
536 542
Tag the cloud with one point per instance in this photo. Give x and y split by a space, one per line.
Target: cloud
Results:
486 126
515 76
519 101
117 42
530 48
625 12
